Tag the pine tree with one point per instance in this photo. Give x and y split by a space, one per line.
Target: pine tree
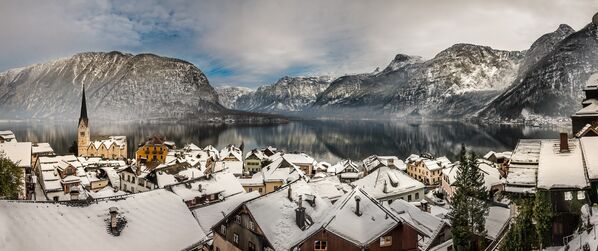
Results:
469 205
543 217
10 178
521 237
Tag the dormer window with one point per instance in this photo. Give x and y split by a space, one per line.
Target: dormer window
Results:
223 229
238 219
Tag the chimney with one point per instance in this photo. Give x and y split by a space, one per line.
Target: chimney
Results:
564 143
357 200
300 215
113 220
138 170
385 187
424 206
290 193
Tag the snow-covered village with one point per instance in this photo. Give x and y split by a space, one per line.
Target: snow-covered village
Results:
299 125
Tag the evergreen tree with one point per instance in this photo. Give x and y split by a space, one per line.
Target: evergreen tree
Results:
469 205
543 217
521 237
10 178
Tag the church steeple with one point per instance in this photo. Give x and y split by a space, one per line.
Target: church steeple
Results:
83 135
83 115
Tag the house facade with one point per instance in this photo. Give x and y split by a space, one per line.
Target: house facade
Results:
153 152
427 171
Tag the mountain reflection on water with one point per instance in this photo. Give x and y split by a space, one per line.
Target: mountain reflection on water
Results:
324 140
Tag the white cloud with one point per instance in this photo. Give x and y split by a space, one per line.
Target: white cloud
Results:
262 40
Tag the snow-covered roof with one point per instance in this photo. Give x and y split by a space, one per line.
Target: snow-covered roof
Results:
361 230
41 148
496 219
105 193
222 182
119 141
590 109
329 187
527 151
17 152
112 176
587 129
397 182
235 167
257 153
491 174
424 222
192 148
522 175
156 220
231 151
275 214
523 166
343 166
298 158
8 136
558 169
590 146
209 215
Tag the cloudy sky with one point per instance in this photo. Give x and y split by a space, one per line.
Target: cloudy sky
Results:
251 43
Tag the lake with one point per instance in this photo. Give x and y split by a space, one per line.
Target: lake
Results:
324 140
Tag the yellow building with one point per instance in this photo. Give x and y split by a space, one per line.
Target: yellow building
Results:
153 151
111 147
427 171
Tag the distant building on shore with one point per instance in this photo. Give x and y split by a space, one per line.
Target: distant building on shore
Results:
111 147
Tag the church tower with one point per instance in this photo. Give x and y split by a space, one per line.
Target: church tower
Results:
83 136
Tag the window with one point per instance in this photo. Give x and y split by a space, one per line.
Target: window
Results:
238 219
250 246
132 189
260 190
217 249
236 238
320 245
250 189
581 195
133 179
568 196
409 197
386 241
223 229
251 225
416 196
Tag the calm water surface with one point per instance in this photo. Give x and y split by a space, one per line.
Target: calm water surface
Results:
325 140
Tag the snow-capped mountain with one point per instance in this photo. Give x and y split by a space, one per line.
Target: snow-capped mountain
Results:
288 94
455 82
117 85
228 95
552 85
